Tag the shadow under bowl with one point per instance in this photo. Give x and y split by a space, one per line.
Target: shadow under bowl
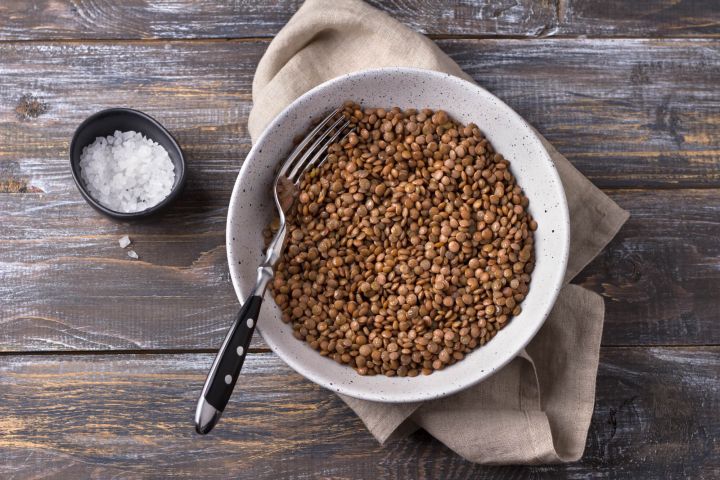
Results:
106 122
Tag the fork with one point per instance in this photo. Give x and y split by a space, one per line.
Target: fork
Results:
308 155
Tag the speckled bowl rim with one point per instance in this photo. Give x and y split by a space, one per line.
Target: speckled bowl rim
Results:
411 395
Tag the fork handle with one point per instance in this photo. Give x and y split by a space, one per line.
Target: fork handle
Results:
227 365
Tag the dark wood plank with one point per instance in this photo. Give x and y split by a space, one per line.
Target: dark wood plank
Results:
606 104
640 18
661 274
129 416
67 285
132 19
182 19
104 19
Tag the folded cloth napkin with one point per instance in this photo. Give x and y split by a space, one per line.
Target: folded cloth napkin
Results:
537 409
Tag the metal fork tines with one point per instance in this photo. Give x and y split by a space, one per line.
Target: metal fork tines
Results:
305 157
308 155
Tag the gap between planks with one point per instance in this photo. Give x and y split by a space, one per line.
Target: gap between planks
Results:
608 191
267 39
260 351
131 351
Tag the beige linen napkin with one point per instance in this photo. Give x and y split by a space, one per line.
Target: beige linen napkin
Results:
538 408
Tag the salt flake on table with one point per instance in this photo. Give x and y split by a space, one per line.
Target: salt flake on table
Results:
132 254
124 241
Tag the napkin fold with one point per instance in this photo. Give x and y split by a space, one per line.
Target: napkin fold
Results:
537 409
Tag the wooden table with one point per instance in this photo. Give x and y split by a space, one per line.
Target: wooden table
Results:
102 356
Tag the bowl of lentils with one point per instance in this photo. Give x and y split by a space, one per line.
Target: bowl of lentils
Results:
424 253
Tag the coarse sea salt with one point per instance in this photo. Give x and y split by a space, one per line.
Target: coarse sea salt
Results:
124 241
127 172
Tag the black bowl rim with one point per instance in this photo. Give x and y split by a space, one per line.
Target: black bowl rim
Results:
75 168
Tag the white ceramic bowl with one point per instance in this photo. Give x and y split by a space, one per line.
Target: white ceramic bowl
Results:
251 207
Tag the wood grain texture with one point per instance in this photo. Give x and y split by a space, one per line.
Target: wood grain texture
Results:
65 281
130 416
660 274
639 18
67 285
199 90
132 19
181 19
627 113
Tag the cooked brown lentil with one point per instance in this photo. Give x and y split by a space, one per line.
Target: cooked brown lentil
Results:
408 248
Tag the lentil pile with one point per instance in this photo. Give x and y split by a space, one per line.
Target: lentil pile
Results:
408 248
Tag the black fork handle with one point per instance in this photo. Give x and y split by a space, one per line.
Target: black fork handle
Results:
226 367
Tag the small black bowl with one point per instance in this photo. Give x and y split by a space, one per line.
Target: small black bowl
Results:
105 123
